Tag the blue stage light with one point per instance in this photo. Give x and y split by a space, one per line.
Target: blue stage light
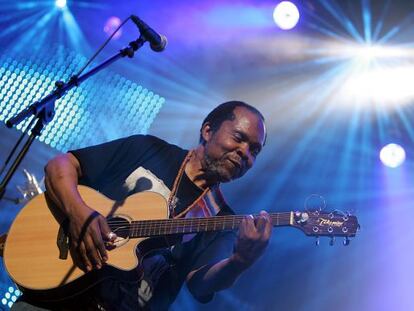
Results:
77 112
286 15
10 297
61 4
392 155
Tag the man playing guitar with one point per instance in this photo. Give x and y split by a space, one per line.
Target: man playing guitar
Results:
231 137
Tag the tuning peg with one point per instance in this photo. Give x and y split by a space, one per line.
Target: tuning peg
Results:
346 241
317 241
332 241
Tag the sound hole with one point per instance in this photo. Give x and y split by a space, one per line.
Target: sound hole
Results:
120 226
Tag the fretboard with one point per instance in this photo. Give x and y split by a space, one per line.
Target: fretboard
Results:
149 228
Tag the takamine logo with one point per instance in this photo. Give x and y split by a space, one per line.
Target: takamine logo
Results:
327 222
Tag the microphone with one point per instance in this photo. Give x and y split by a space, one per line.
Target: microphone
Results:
157 42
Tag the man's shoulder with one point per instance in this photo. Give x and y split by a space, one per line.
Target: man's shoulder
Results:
140 139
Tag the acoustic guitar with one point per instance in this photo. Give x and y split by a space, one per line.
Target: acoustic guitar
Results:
37 253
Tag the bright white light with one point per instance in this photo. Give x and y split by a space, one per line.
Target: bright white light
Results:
392 155
375 75
381 86
371 52
286 15
60 4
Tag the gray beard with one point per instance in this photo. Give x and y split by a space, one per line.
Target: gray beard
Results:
214 170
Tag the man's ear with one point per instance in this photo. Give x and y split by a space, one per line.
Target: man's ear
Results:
206 132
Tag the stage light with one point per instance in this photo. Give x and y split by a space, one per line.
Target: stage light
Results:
385 86
392 155
79 105
61 4
286 15
111 25
369 52
10 297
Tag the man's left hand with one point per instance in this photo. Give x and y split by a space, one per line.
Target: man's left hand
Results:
254 235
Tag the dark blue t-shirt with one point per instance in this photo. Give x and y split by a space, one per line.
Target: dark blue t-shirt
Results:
146 163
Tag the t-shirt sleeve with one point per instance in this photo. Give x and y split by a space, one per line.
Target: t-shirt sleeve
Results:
107 160
219 248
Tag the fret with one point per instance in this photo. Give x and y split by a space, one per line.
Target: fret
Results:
234 218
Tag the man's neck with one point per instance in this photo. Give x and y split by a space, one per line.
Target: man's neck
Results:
195 169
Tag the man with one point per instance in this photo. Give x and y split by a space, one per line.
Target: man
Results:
231 137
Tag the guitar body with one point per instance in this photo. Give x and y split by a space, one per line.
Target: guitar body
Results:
36 253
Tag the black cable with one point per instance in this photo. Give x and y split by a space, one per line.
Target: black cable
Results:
16 145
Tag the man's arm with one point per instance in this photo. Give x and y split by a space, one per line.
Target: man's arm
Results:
253 238
61 180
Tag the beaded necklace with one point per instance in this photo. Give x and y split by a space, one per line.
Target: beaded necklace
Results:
172 199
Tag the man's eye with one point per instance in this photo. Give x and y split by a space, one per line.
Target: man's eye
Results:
237 138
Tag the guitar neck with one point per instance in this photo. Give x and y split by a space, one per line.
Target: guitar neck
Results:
149 228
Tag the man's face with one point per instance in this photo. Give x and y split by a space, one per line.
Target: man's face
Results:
231 151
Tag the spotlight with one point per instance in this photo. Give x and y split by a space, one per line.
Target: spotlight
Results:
111 25
10 297
369 52
392 155
61 4
286 15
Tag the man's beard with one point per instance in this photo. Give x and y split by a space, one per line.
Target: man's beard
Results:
215 170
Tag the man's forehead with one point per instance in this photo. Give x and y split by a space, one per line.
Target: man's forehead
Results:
250 122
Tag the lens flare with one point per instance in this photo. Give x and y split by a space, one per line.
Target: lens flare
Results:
392 155
286 15
61 4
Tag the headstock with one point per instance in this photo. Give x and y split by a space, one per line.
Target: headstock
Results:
333 224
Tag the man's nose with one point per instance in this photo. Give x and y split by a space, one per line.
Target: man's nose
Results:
244 153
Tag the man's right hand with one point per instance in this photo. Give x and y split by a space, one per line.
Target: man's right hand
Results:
87 228
89 233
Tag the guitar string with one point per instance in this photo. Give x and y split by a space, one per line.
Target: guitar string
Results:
210 224
213 218
154 224
186 220
206 219
143 233
145 224
190 226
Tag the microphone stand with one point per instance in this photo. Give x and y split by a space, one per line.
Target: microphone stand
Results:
44 109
